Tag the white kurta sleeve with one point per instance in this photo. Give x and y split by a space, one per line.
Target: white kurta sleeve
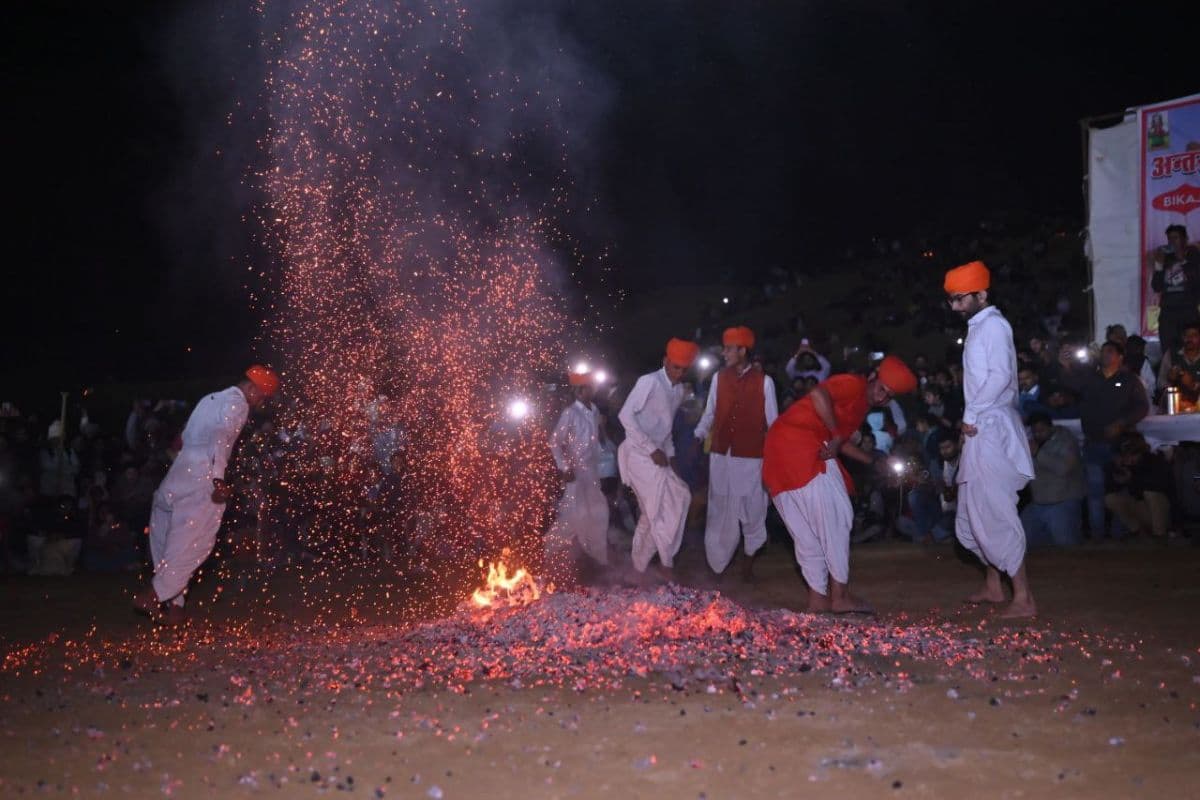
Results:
770 403
987 357
560 441
790 368
226 430
710 410
628 415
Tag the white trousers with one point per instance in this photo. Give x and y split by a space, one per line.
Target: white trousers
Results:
183 530
582 518
819 517
663 499
986 521
737 508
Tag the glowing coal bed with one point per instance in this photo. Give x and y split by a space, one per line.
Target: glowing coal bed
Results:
594 639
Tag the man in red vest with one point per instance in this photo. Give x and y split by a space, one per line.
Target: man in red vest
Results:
741 406
810 487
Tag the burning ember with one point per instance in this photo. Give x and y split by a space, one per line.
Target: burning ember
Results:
505 591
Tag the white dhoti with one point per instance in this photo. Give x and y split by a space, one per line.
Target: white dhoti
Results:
183 527
990 474
663 499
819 517
737 508
582 518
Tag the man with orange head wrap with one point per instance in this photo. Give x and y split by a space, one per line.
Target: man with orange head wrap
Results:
809 486
995 462
645 457
741 406
190 502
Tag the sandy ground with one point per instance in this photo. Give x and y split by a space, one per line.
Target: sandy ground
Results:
91 704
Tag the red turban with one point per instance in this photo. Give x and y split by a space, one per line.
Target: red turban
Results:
968 278
740 336
681 352
264 378
896 376
580 378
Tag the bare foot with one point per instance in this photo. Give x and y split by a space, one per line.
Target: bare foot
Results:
664 574
986 596
1018 609
818 603
851 604
175 616
146 603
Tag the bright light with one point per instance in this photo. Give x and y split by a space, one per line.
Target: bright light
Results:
518 410
1081 354
601 376
725 300
960 341
705 362
581 368
898 467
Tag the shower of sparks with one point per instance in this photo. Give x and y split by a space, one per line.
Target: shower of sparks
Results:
412 198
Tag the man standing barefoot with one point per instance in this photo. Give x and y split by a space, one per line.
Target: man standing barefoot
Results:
645 459
996 463
809 486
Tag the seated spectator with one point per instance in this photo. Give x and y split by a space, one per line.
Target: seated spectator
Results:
1058 487
54 548
110 544
1137 363
1029 395
928 430
934 501
1061 403
59 465
1137 487
1111 401
1181 368
881 427
870 511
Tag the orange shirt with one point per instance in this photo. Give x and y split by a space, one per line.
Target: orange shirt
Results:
791 454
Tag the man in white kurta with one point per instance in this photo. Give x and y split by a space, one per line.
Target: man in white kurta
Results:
644 458
995 462
189 503
737 499
582 517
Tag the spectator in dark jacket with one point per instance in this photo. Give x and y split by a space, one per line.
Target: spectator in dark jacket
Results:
1112 401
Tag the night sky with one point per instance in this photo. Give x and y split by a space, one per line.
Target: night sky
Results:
720 137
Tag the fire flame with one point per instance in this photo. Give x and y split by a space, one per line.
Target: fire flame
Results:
503 589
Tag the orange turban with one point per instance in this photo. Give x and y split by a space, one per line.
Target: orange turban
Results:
896 375
740 336
681 352
264 378
580 378
973 277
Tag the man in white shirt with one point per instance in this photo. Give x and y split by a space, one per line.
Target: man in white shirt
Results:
190 502
582 518
645 458
995 462
741 402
